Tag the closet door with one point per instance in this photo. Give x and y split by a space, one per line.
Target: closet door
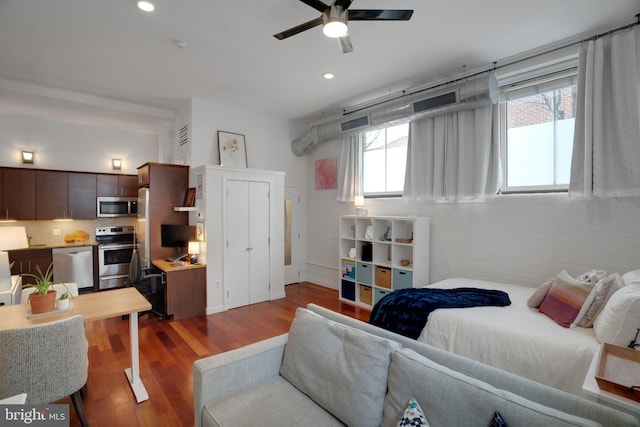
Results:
237 247
259 237
247 249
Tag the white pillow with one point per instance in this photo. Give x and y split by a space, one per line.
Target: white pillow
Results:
631 278
619 320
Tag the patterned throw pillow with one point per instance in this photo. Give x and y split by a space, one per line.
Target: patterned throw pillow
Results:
597 299
413 416
565 299
497 421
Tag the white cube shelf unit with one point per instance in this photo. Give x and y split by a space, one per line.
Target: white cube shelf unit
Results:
379 254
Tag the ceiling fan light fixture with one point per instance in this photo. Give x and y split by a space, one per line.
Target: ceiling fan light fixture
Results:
335 29
335 22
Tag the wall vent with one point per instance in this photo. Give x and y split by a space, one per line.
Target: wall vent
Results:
355 123
436 101
183 136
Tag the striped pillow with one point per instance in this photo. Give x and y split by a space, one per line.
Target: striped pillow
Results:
565 299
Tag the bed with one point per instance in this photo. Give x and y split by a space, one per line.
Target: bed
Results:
518 338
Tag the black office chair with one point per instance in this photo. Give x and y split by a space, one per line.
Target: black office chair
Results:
148 284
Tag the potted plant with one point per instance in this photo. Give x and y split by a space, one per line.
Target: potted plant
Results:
43 299
63 302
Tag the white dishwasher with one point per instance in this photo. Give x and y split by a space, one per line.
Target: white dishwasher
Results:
74 264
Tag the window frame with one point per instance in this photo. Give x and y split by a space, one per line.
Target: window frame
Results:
570 76
382 194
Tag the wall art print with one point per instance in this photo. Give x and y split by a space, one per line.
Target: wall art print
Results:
233 151
326 174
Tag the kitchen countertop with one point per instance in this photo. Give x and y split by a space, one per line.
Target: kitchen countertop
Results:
60 245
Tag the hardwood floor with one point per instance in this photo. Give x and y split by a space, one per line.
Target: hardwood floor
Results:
168 350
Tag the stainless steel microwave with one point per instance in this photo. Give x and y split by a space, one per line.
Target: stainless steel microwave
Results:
117 206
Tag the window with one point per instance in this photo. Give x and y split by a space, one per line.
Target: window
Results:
538 118
384 160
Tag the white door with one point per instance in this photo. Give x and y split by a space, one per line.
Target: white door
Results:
236 250
259 259
291 235
246 257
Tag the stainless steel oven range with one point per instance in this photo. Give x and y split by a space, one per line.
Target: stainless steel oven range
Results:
115 247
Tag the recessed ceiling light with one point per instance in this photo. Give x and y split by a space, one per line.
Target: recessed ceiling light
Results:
147 6
328 76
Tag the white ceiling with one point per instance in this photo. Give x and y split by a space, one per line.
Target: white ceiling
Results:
110 49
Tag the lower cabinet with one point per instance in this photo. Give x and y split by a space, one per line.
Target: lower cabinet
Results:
25 261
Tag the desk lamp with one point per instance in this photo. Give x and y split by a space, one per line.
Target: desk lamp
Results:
193 250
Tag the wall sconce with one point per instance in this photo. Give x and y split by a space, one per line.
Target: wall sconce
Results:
116 164
27 157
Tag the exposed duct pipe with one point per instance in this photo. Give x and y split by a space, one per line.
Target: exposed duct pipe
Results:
473 92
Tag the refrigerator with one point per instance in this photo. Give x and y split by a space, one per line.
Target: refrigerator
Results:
142 230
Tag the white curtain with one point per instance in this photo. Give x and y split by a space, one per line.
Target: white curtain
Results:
606 146
350 169
454 157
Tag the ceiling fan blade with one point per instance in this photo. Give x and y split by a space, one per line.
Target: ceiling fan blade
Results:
316 4
300 28
345 44
344 3
380 15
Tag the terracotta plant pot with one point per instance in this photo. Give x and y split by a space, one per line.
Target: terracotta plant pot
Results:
42 303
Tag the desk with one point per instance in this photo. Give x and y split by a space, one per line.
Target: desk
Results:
94 306
185 288
590 386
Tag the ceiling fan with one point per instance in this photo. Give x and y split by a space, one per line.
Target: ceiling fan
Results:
335 17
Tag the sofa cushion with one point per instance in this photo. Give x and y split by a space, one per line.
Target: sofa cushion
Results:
342 369
274 402
450 398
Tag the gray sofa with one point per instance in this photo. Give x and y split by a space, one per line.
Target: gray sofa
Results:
331 369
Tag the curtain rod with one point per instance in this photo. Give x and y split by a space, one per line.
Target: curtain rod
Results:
494 67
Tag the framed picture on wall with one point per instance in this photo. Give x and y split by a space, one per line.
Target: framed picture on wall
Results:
233 151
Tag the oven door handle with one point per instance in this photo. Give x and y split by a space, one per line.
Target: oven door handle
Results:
116 246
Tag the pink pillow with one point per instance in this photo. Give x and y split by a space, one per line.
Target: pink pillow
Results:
565 299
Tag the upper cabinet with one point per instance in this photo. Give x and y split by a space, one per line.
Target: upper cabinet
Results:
39 194
19 193
52 195
117 185
82 195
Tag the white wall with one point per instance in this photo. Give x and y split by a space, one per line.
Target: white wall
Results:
72 146
520 239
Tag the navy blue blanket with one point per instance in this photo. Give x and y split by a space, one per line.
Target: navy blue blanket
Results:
405 311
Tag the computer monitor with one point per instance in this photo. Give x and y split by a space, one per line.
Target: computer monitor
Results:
177 236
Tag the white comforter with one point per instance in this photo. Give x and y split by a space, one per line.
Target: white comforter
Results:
516 338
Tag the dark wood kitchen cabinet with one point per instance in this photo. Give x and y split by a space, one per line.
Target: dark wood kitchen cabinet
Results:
19 193
52 195
117 185
82 195
25 261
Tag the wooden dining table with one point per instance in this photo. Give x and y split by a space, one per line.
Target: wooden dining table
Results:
92 306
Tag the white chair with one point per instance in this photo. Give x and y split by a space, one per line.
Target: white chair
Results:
47 361
60 288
